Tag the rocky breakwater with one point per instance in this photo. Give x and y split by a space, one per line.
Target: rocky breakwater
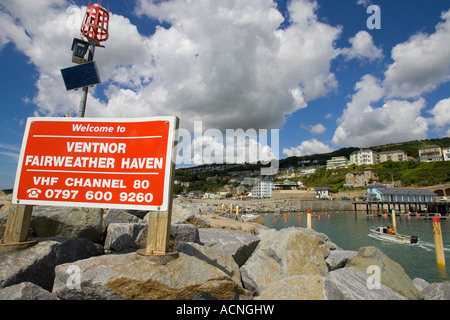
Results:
220 257
283 205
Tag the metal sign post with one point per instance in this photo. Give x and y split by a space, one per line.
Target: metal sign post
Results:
94 28
84 93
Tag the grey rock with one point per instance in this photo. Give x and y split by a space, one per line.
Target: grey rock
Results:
119 216
134 277
285 253
36 264
392 274
420 284
125 237
356 285
128 237
3 219
67 222
187 213
26 291
252 218
185 233
216 258
304 287
237 244
339 258
437 291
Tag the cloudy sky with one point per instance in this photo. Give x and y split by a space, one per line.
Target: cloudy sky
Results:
327 74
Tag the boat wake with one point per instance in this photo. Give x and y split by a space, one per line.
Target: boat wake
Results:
428 246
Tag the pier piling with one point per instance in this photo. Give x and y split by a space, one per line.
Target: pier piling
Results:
308 220
394 220
438 242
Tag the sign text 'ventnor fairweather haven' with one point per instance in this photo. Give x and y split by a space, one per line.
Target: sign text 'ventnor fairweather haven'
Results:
108 163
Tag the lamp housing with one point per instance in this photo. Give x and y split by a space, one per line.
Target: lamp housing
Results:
79 49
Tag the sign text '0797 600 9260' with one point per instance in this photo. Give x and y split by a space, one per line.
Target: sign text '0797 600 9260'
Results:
113 163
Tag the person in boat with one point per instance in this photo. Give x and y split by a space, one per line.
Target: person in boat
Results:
389 230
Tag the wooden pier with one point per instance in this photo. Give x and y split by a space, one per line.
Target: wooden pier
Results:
383 207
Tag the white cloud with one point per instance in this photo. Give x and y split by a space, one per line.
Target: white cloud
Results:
318 129
362 125
309 147
362 48
227 63
211 146
441 113
314 129
230 64
10 151
421 63
365 3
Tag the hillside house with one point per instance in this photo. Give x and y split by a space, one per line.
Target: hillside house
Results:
263 189
361 179
446 153
323 192
395 155
337 163
363 157
285 185
430 153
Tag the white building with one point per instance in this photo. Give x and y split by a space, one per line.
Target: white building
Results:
263 189
307 171
363 156
337 163
323 192
250 181
430 153
446 153
211 195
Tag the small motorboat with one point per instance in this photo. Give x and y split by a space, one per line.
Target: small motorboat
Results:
249 217
385 233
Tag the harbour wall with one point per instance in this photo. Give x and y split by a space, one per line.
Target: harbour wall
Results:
282 205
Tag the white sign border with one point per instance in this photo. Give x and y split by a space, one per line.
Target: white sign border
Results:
168 176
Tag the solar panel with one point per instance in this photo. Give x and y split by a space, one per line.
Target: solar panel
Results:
83 75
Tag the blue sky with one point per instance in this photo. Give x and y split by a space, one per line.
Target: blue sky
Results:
311 69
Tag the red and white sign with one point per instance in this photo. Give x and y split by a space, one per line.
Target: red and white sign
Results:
103 163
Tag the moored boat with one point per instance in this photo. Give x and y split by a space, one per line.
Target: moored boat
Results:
249 215
385 233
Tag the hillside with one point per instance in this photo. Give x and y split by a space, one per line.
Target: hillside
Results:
412 147
409 173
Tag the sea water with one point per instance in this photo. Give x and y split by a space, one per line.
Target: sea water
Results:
350 231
